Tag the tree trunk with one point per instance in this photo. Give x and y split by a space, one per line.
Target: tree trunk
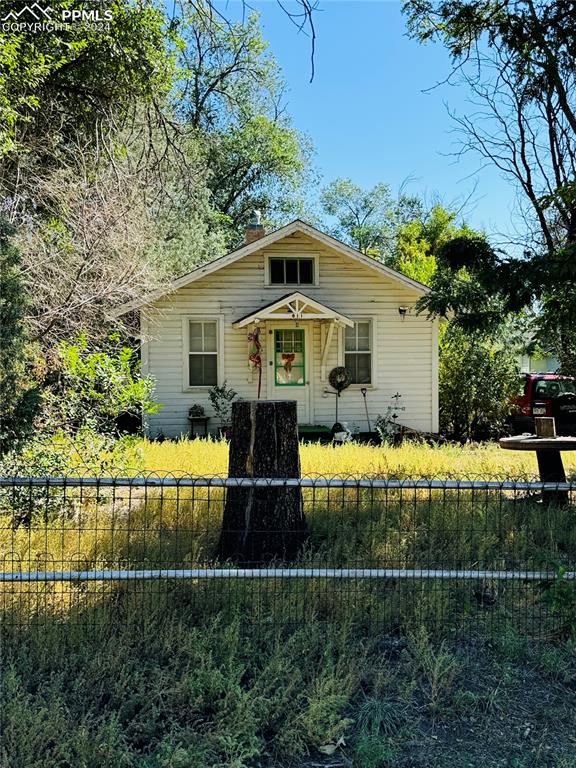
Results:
262 524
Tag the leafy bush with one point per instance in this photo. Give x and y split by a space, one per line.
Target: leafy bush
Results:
221 399
61 455
477 380
95 386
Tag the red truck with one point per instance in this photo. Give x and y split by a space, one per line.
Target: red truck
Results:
545 394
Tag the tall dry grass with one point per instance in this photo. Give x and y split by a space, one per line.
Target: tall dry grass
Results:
92 529
412 459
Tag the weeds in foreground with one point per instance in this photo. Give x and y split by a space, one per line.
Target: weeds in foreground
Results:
379 720
165 690
436 667
202 696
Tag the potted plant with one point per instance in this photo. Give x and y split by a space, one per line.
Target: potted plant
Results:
196 411
221 399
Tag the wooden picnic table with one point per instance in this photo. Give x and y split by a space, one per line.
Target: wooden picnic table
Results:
549 456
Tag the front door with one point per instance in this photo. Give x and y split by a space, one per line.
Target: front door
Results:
289 367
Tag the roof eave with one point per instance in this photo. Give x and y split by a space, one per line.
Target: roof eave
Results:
295 226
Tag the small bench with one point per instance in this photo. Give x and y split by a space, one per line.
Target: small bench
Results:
202 422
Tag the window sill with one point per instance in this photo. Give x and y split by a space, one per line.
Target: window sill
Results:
293 286
358 387
199 389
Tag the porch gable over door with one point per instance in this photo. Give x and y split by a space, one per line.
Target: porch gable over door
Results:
293 306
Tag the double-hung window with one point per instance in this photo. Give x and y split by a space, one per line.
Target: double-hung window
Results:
202 353
358 351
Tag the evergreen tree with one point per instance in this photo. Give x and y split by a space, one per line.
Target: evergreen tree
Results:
19 397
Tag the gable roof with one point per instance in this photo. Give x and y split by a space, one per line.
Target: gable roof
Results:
289 229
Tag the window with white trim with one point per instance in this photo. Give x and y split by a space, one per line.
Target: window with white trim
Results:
202 353
358 351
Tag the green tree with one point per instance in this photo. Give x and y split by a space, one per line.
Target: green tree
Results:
83 84
398 231
517 59
19 393
477 379
481 288
85 138
230 96
95 168
418 241
367 219
537 38
94 385
461 286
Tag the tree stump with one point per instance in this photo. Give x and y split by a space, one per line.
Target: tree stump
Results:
263 524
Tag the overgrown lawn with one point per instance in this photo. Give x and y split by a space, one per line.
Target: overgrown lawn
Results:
412 459
157 690
205 673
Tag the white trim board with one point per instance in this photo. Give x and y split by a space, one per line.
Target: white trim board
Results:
435 365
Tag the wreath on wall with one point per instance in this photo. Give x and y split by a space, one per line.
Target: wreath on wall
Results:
287 360
340 378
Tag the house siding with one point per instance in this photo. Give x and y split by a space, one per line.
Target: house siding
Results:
406 350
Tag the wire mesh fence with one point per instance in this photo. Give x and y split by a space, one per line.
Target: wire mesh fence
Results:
460 557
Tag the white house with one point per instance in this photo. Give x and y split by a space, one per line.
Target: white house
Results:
316 304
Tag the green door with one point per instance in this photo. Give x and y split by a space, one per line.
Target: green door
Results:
289 374
289 357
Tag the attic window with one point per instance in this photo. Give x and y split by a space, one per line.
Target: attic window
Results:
291 271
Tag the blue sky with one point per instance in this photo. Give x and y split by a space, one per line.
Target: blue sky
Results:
367 111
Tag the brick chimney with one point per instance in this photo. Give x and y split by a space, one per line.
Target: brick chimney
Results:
255 230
